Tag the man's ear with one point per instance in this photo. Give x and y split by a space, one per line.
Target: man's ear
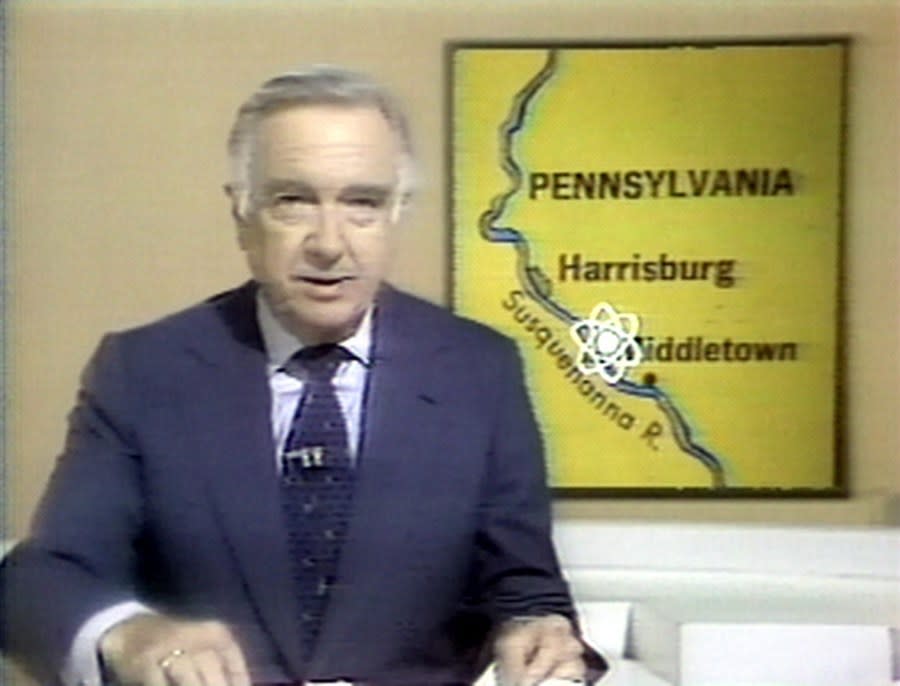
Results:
237 197
400 206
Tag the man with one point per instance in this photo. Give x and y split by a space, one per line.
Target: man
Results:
229 510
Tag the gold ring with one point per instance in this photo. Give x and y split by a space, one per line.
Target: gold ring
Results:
166 662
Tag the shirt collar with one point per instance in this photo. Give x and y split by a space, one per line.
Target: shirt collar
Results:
282 344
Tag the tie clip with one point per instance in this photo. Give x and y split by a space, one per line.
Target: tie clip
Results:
311 457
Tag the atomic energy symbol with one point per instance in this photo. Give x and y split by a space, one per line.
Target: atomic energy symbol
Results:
606 343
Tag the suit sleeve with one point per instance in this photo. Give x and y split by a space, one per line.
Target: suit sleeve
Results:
80 555
518 568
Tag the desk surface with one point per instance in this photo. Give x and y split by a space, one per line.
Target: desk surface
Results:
630 673
621 673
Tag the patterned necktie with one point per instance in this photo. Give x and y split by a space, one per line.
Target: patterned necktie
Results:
316 484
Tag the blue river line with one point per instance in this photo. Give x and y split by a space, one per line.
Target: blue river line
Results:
537 285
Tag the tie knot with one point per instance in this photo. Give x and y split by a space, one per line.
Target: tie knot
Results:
318 362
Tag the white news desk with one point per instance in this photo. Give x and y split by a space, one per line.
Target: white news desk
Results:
736 605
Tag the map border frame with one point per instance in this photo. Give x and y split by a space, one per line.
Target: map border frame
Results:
839 488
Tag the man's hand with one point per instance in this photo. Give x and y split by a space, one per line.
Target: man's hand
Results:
530 650
155 650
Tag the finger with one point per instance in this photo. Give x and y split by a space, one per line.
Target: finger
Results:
155 676
542 665
556 660
571 670
557 654
218 637
235 665
181 672
210 668
512 654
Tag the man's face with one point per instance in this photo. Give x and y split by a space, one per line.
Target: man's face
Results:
323 184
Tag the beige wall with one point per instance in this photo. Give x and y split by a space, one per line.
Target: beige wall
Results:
116 120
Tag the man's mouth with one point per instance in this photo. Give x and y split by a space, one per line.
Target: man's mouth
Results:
325 280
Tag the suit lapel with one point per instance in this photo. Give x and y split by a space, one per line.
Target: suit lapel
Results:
232 430
400 413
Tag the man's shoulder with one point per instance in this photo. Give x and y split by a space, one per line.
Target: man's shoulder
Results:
438 322
228 310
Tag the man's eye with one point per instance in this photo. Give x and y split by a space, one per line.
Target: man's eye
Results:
292 199
364 202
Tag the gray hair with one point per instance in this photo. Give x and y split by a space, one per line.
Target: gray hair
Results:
315 85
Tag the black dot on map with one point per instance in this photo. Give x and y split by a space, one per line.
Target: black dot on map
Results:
649 379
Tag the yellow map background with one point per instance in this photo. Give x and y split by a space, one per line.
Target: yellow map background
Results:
771 424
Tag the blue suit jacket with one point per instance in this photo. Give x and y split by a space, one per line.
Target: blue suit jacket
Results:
167 491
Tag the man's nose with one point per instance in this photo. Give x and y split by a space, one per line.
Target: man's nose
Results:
326 236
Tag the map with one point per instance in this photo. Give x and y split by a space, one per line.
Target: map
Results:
688 196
